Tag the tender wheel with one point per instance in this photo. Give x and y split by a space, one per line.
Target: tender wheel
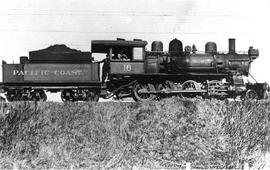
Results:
67 95
38 95
92 96
140 92
10 97
63 98
43 97
191 86
251 95
35 96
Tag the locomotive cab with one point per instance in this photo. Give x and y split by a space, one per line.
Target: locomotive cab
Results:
126 57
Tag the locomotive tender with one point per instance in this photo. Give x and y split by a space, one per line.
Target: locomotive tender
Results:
143 75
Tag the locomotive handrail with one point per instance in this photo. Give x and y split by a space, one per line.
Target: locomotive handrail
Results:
223 52
238 59
252 77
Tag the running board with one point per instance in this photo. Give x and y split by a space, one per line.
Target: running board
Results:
172 91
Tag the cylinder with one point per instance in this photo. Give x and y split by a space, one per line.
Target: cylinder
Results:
23 59
176 46
157 46
231 45
211 47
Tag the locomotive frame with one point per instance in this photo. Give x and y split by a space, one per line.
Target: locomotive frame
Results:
144 75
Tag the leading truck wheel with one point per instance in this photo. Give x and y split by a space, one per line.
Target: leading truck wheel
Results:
251 95
140 92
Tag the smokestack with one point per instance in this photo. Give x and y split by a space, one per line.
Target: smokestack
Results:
232 45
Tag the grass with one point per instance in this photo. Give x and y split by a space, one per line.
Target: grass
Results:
161 134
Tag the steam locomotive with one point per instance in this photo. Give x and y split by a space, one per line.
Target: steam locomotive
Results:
143 75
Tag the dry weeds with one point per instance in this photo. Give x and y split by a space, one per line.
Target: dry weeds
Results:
166 133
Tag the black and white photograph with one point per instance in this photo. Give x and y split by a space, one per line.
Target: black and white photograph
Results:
134 84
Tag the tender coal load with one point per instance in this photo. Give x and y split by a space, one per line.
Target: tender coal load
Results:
59 54
176 46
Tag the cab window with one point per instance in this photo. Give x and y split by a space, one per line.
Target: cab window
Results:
122 53
137 53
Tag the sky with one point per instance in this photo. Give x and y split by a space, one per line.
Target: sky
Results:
28 25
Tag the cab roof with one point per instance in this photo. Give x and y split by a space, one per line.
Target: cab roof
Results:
102 46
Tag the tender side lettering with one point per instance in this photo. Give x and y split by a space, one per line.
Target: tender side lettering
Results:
18 72
47 72
67 72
